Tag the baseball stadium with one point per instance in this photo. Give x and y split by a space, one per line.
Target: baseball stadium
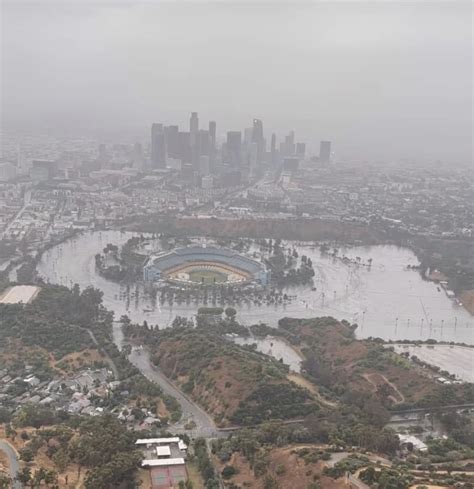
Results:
204 265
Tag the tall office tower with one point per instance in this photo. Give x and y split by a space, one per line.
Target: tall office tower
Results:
158 146
203 142
290 144
300 149
273 149
172 141
193 127
212 145
253 155
204 166
257 134
257 137
184 142
194 123
248 136
234 148
325 152
194 134
212 134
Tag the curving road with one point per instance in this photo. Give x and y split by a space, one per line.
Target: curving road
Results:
12 461
204 424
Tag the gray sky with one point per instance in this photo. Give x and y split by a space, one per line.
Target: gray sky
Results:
383 80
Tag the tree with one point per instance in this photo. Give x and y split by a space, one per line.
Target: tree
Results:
24 475
5 481
228 471
230 312
270 483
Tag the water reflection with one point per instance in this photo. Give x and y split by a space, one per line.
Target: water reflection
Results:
275 348
386 299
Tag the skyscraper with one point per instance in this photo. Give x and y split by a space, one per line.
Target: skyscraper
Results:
257 134
234 148
194 123
194 136
172 141
257 137
300 149
273 149
203 142
212 134
158 146
184 142
212 145
325 152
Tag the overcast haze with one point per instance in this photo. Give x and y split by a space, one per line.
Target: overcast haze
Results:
381 80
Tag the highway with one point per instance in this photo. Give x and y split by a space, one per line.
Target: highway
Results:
204 424
12 461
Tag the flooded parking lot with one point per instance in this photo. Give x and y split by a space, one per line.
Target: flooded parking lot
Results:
386 300
457 360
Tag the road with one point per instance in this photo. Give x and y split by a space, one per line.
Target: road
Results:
12 461
205 426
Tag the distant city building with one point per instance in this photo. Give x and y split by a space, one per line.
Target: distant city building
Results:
300 149
204 165
7 172
207 182
158 146
234 148
42 170
231 179
248 135
184 141
212 134
193 131
212 145
325 152
174 163
273 149
257 137
194 123
291 164
172 141
203 142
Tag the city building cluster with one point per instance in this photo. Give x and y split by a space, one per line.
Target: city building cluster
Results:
52 187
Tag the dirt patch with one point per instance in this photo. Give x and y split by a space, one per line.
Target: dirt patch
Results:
78 360
194 475
379 382
286 467
298 379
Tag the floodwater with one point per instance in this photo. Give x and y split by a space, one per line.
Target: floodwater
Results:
276 348
386 299
457 360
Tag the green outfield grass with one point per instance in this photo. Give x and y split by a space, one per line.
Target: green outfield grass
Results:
207 276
